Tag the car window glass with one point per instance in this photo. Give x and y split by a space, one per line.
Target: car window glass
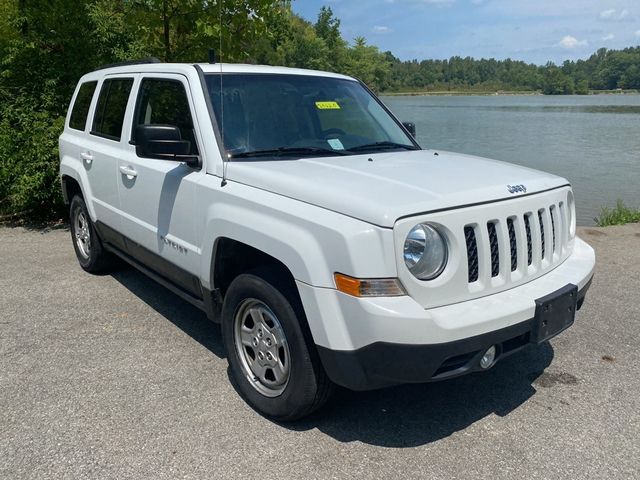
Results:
111 107
164 102
279 111
78 119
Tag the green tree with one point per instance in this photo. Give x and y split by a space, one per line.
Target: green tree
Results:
366 63
556 82
327 27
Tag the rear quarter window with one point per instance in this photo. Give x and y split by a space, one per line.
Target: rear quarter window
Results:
80 110
111 107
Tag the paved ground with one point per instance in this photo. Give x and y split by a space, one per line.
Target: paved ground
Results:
114 377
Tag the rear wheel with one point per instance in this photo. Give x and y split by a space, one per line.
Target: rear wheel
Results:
271 357
87 245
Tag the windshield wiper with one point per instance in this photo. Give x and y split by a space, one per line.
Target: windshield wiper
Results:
286 151
382 146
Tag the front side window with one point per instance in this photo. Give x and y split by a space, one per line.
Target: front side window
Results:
278 115
164 102
111 107
80 111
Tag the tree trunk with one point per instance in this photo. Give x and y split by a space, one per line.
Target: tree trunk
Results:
165 25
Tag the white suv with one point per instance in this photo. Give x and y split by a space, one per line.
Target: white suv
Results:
297 211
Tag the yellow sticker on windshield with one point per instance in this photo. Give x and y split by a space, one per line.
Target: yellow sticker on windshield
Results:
327 106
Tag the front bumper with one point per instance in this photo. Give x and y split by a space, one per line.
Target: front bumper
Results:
384 364
371 343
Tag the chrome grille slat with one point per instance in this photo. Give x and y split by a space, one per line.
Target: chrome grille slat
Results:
563 228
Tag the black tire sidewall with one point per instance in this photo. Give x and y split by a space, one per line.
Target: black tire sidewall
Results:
89 263
300 392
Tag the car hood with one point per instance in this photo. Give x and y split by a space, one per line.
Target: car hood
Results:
380 188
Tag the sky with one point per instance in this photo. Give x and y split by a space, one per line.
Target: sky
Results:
535 31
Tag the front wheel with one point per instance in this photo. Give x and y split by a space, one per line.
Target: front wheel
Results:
272 362
86 243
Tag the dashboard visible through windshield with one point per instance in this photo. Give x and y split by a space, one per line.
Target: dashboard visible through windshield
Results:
278 115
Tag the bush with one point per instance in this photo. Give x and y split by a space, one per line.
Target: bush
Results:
619 215
29 165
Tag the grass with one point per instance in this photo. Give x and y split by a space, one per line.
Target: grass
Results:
619 215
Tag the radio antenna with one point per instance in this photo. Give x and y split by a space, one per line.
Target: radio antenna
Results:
224 160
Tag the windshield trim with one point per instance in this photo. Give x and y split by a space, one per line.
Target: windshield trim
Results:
212 115
395 119
227 157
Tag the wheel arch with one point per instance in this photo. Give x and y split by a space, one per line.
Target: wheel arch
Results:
232 257
70 188
73 181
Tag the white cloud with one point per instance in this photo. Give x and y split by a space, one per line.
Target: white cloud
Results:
381 29
608 37
613 14
570 42
638 33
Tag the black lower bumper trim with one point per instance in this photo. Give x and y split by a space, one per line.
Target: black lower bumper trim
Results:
384 364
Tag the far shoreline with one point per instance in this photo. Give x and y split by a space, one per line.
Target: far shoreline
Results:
485 93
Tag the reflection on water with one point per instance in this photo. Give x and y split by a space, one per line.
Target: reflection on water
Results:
593 141
633 109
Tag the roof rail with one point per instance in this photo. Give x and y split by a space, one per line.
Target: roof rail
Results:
142 61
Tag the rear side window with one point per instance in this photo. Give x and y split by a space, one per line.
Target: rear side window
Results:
81 106
164 102
112 103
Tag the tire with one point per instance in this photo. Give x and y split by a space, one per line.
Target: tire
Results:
86 243
290 383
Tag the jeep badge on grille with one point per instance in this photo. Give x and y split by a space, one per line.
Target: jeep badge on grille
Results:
517 189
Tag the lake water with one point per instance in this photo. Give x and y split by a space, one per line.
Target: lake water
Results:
593 141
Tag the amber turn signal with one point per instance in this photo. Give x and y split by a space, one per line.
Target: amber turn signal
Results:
369 287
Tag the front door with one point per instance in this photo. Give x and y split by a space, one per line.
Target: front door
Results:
157 196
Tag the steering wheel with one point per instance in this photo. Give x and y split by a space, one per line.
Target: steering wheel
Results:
333 131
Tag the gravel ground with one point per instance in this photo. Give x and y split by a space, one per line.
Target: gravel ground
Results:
114 377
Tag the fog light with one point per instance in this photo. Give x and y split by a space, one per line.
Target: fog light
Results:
487 359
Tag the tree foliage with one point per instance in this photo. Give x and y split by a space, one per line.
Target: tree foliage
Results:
47 45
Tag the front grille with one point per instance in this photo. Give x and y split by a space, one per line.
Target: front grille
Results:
472 253
543 230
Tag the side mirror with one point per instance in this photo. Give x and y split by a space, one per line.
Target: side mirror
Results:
411 128
164 142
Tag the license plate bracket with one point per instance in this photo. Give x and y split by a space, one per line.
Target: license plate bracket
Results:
554 313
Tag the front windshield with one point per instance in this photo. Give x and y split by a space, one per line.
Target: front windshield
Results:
274 115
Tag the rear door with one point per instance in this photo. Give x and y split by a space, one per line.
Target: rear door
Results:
157 197
103 147
73 141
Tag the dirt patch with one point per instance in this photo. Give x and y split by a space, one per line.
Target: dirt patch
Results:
608 358
595 233
548 379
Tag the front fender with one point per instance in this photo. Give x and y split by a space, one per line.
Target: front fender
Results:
312 242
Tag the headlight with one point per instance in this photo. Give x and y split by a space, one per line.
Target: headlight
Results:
425 252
